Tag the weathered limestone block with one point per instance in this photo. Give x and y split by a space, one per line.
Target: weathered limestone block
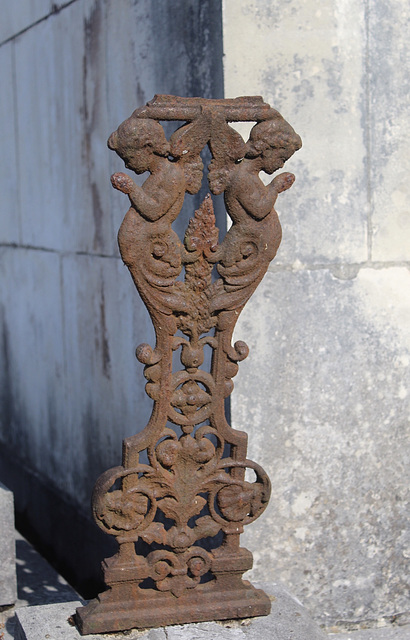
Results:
328 411
389 54
8 582
9 228
325 401
308 63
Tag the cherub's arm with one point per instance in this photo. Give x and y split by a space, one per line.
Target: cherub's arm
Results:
256 198
151 207
259 200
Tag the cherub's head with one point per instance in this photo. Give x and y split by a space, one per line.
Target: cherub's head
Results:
274 142
137 140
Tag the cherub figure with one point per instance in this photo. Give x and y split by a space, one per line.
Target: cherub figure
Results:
148 245
255 234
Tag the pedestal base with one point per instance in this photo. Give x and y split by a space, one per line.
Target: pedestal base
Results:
288 619
156 609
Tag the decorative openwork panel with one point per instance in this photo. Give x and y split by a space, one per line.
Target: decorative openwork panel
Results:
188 497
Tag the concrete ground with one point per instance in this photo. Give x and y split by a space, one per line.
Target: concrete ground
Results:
39 584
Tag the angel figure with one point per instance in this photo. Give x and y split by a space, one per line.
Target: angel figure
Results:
254 237
148 245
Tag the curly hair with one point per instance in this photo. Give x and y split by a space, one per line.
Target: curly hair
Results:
140 132
276 134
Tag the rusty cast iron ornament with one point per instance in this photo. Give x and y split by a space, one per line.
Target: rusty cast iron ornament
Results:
189 501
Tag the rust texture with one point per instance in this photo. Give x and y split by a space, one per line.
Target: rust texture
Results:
188 497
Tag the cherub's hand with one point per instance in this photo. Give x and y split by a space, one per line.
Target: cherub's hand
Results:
122 182
283 181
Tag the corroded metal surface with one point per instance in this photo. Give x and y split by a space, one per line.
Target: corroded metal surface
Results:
190 500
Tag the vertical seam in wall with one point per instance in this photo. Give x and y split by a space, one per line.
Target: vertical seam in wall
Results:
66 396
63 326
221 15
16 138
223 46
107 105
367 133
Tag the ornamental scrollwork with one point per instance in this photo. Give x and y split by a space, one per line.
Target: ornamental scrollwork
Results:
182 487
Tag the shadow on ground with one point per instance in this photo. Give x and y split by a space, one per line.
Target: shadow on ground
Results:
37 583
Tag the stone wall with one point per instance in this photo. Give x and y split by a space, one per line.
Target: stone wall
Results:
71 388
324 393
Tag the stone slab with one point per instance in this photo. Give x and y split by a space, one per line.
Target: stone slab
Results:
51 621
63 85
10 215
8 581
388 49
298 56
326 406
288 620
